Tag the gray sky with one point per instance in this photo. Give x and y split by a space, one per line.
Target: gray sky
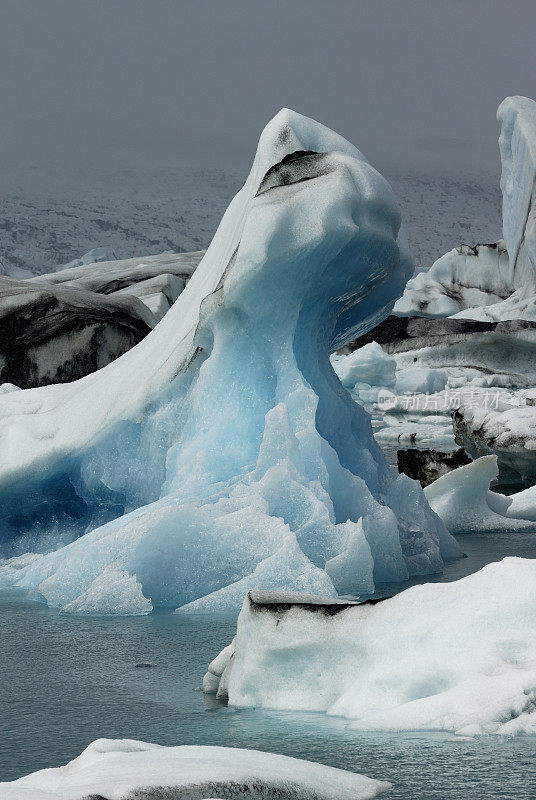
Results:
412 83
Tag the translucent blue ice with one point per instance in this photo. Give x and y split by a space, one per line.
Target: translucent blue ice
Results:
224 446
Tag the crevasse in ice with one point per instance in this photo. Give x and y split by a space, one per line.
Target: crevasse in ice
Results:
222 452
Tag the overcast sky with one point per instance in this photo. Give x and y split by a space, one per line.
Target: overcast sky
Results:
412 83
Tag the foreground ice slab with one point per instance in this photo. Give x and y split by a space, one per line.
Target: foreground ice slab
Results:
458 656
223 452
124 769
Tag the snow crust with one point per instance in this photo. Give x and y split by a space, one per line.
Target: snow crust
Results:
457 657
222 451
125 769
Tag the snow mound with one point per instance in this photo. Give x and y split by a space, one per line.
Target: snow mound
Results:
223 450
126 769
457 657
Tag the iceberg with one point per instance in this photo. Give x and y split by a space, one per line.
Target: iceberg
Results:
517 143
223 449
465 278
507 431
491 281
464 502
458 657
127 769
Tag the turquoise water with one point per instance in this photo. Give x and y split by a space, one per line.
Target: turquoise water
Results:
68 680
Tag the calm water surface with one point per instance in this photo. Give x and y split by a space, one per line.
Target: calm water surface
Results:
66 680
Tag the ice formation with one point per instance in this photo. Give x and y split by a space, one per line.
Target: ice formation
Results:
458 656
224 441
93 256
507 431
497 281
464 278
53 334
517 116
463 501
125 769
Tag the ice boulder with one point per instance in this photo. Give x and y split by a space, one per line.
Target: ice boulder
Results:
457 656
223 449
126 769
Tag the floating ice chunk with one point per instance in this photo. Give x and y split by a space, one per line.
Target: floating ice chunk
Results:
463 501
460 498
125 768
458 656
112 592
421 380
369 364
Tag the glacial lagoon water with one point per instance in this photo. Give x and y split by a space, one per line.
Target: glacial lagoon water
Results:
67 680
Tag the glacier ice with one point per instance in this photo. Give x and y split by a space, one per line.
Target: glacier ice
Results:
491 281
93 256
466 505
129 769
223 449
457 656
465 278
507 431
517 143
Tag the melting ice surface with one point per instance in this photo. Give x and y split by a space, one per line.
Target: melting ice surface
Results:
222 453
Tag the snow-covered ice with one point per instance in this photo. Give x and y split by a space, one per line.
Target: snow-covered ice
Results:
125 769
224 441
457 657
